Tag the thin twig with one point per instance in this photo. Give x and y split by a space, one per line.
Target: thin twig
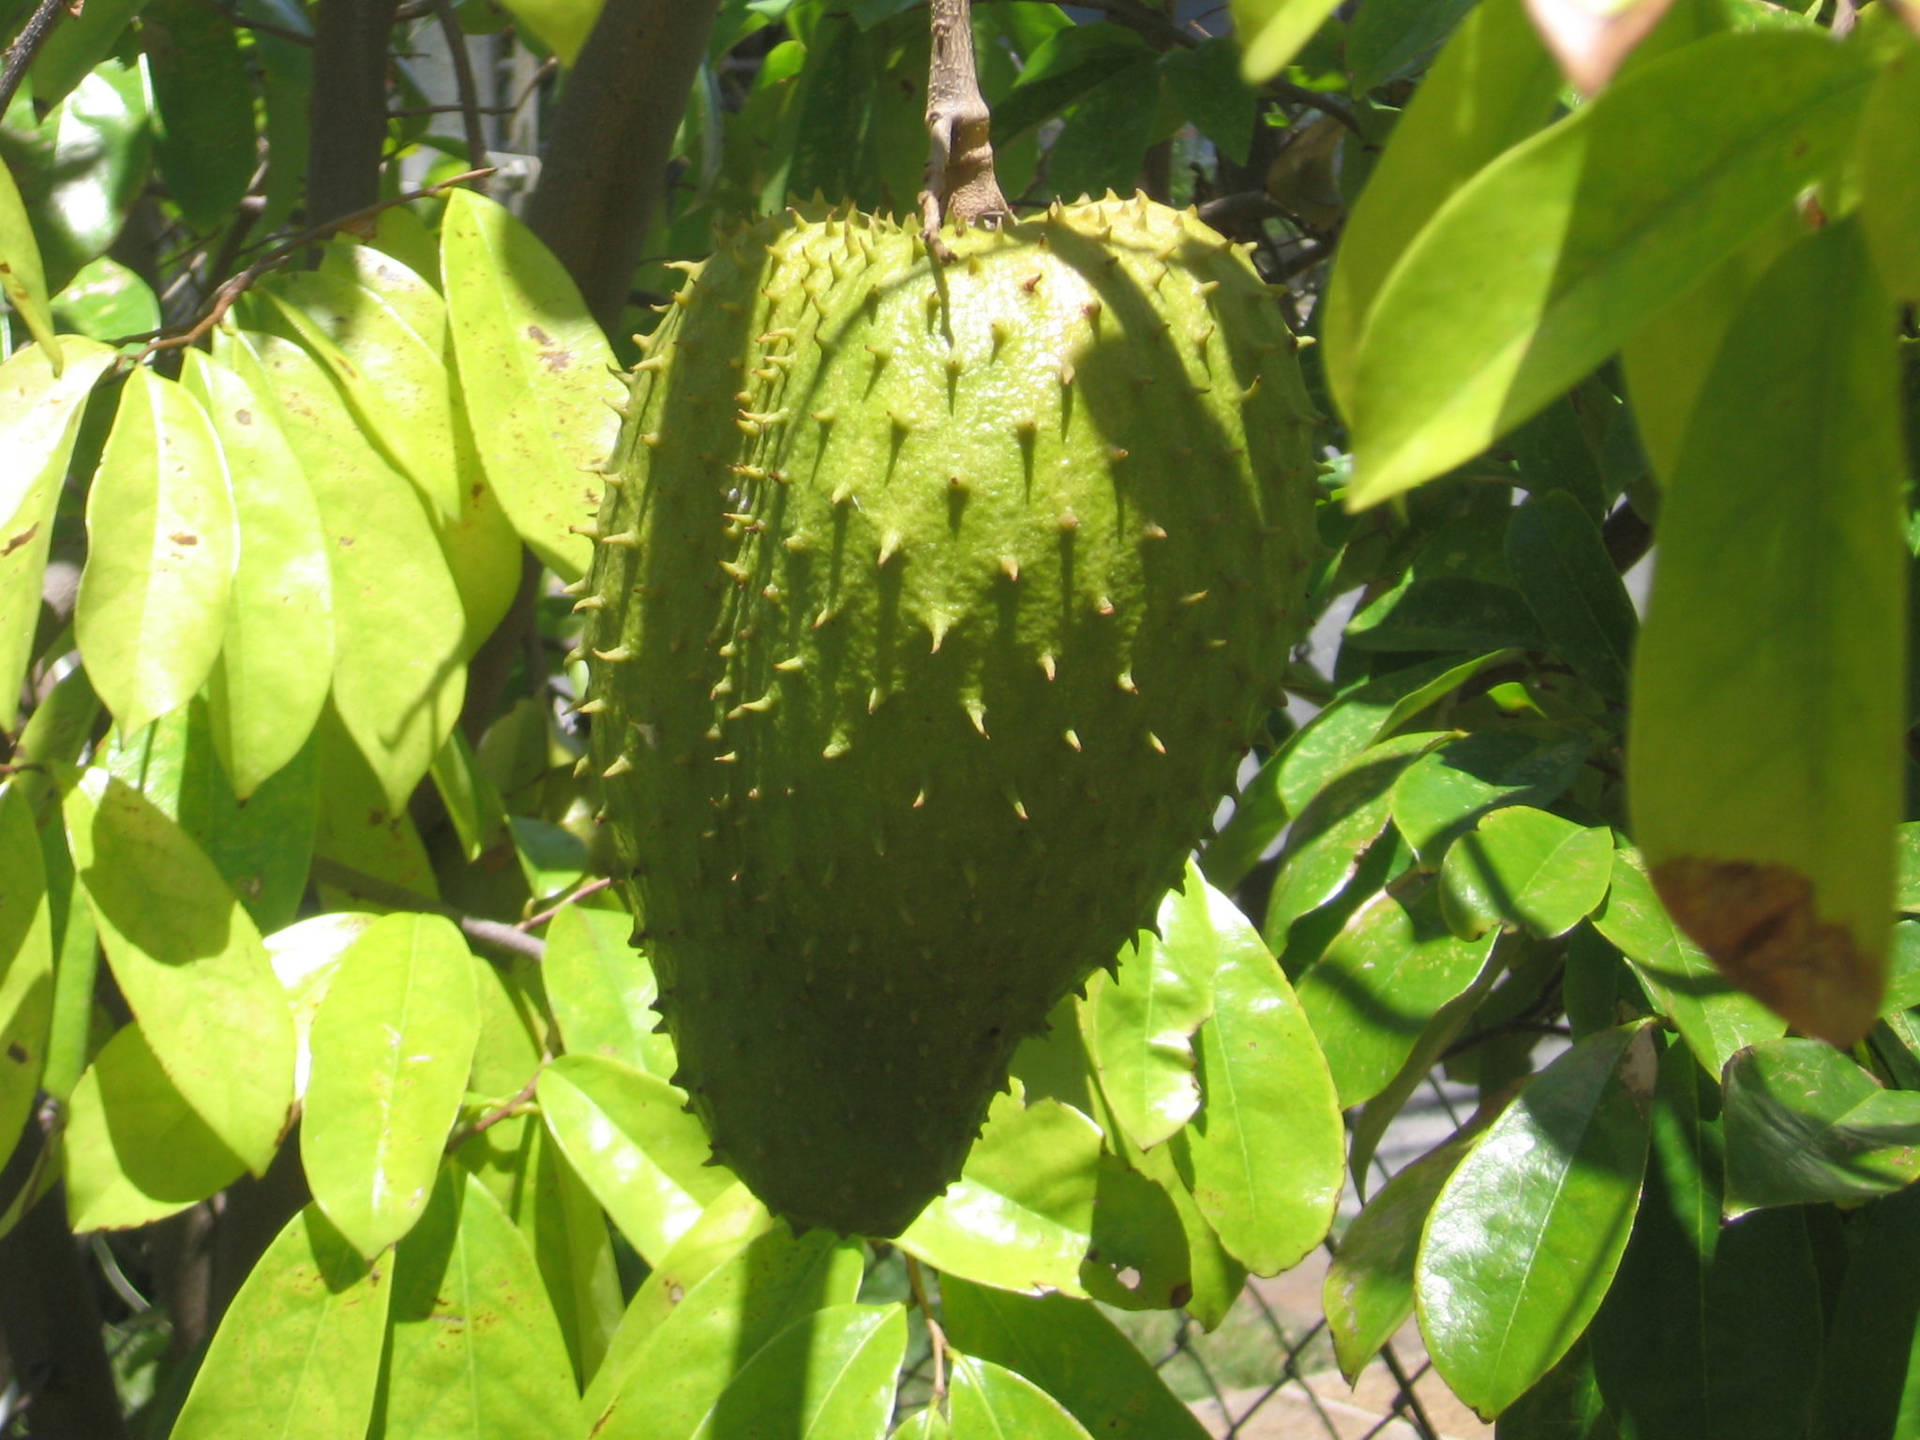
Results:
936 1337
592 887
519 1104
26 45
464 85
232 289
384 892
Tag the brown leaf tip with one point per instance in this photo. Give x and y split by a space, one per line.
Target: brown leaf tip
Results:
1758 923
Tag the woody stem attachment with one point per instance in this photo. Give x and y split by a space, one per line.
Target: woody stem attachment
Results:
960 184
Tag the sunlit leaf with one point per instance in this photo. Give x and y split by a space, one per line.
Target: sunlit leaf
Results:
1440 795
298 1351
1523 1240
1524 867
1765 760
189 962
602 990
106 300
560 25
22 280
26 964
533 376
305 956
1272 32
993 1403
1590 38
828 1376
391 1044
161 551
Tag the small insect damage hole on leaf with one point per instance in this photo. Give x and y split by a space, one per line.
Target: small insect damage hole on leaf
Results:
1759 924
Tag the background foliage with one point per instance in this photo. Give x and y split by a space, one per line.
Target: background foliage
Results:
364 1116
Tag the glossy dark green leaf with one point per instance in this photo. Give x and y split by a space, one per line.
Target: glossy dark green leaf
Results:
1711 1331
1804 1123
1061 68
1446 612
1389 36
1889 158
1554 452
1764 755
1870 1382
39 420
602 990
286 84
1524 867
1560 564
202 107
1140 1257
1374 990
298 1351
1369 1289
1205 83
1713 1018
26 964
76 46
1572 237
1267 1147
22 279
828 1376
533 376
631 1139
1524 1238
1098 148
1272 32
665 1386
1493 85
1564 1404
1020 1216
136 1150
161 552
1142 1018
1073 1353
1440 795
391 1043
474 1348
991 1402
189 962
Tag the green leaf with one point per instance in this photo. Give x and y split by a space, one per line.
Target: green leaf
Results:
1805 1124
189 962
397 617
1538 268
1204 81
305 956
202 109
1560 563
22 279
1768 827
1445 612
474 1347
1103 135
1439 796
1140 1257
828 1376
106 300
358 826
1713 1018
923 1424
391 1045
533 375
474 807
1375 988
39 420
1389 36
1020 1216
1524 867
1889 159
1870 1382
562 26
297 1354
136 1149
602 990
1272 32
77 45
1267 1147
1072 1352
1061 68
991 1402
1524 1238
1368 1293
1711 1331
1494 84
276 657
663 1388
629 1136
1565 1404
161 552
26 964
552 858
1142 1018
286 86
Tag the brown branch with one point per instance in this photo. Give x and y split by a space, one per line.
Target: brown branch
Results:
463 83
519 1104
233 288
399 897
936 1336
26 45
592 887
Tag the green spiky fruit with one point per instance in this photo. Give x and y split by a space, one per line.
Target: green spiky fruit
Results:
932 609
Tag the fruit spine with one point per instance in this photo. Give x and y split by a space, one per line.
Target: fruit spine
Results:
932 609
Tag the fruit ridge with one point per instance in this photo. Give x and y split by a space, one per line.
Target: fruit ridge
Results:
932 608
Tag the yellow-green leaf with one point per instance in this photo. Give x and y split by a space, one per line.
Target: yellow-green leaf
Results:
1273 31
26 964
22 280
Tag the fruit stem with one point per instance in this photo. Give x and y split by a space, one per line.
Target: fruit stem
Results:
936 1337
960 183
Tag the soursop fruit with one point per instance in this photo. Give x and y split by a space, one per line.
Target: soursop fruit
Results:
932 608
